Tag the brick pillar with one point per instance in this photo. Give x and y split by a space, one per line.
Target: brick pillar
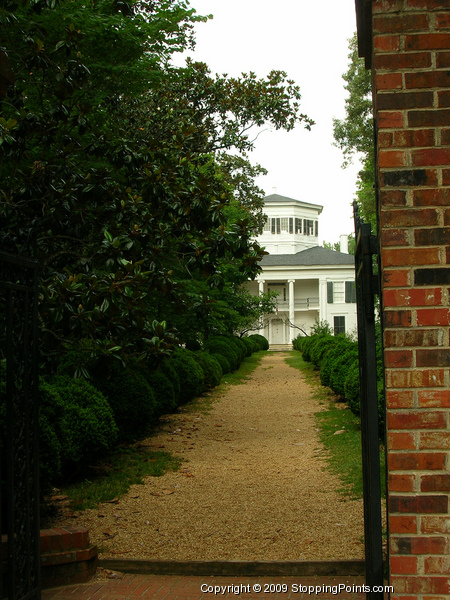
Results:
411 68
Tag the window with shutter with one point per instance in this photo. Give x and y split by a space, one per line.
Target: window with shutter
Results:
350 292
330 292
339 325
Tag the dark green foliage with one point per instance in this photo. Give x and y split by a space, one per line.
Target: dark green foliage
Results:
223 362
51 436
262 341
211 368
351 387
354 134
82 419
344 358
240 345
321 328
134 176
224 346
76 427
319 347
75 364
298 342
131 399
305 345
337 358
163 389
340 344
168 369
190 375
193 344
250 345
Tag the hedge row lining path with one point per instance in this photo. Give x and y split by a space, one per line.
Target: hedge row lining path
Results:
254 484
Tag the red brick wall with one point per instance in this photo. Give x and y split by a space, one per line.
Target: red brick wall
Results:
411 68
66 556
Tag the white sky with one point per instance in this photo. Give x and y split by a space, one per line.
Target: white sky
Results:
309 40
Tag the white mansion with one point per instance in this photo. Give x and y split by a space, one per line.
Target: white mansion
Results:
313 283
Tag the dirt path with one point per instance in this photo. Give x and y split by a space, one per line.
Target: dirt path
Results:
253 487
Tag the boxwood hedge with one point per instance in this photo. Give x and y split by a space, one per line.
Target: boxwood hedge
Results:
80 420
337 359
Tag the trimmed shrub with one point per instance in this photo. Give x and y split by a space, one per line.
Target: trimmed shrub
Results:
160 384
351 387
240 346
262 341
189 373
167 368
193 344
306 345
211 368
131 399
298 342
226 348
235 343
84 426
165 398
320 345
339 345
223 362
340 367
251 346
76 426
51 411
337 357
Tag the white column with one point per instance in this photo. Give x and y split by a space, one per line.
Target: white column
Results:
261 283
291 309
322 299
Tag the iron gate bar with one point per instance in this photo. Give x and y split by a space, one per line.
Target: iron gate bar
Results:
18 313
366 288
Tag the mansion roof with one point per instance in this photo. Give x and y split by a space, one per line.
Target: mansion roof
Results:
309 257
285 199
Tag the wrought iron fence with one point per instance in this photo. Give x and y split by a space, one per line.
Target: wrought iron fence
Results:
367 286
19 428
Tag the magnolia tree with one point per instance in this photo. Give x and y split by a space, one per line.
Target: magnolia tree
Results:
131 177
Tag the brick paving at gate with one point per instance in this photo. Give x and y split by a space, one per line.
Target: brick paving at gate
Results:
165 587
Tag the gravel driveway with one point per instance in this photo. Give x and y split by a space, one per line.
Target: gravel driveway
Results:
253 485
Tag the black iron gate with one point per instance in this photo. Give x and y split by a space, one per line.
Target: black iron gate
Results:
367 286
19 423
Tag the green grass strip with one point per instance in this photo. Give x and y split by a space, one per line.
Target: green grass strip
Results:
344 456
113 477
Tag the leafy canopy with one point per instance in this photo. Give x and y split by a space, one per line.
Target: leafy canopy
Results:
354 134
128 177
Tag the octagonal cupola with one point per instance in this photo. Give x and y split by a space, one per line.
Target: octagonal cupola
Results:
291 225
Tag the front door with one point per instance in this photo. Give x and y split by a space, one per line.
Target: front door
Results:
278 331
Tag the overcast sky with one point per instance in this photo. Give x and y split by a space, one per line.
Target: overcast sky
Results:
309 40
